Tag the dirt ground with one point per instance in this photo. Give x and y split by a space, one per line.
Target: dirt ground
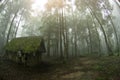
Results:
83 68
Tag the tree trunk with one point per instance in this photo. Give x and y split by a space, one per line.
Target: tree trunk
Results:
97 35
90 37
48 45
61 50
8 35
87 45
115 31
3 5
110 52
17 27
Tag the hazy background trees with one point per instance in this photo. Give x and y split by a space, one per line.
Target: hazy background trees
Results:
70 27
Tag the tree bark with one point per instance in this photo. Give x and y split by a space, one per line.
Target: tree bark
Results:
3 5
61 50
115 31
48 45
90 37
97 34
110 52
17 27
8 35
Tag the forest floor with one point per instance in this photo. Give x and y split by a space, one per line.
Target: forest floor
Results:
82 68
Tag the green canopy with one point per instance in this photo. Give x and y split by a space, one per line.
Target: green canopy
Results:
26 44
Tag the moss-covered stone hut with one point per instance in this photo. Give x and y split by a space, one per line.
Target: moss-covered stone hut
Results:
26 50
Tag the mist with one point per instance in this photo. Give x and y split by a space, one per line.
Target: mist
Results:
59 32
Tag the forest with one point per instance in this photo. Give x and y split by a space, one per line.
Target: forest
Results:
77 39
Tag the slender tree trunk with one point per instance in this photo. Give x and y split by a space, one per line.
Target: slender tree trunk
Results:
75 36
67 41
72 47
87 46
115 31
90 37
97 35
116 35
8 35
64 33
17 27
63 30
61 50
3 5
75 41
57 47
110 52
48 45
57 35
98 39
48 48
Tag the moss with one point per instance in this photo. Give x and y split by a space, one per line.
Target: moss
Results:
100 78
26 44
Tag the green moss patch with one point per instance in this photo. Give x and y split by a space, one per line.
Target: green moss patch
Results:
26 44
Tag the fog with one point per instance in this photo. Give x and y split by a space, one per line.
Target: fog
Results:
59 39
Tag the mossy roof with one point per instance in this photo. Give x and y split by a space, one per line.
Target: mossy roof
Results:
26 44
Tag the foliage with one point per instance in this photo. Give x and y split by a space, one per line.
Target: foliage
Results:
108 68
70 27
